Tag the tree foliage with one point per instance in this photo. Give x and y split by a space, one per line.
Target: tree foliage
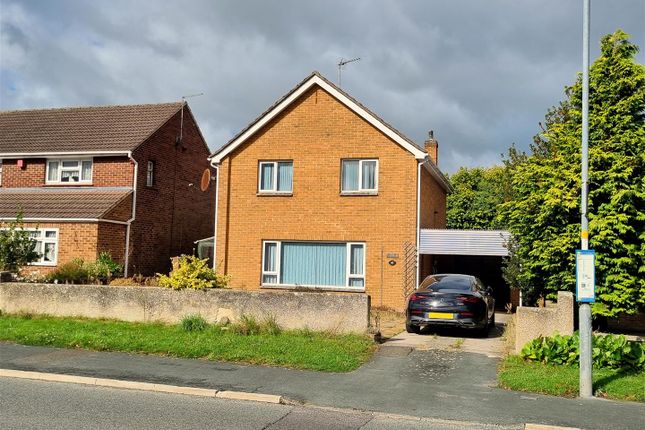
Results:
544 212
17 248
477 194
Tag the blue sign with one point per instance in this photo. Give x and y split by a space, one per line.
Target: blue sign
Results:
586 276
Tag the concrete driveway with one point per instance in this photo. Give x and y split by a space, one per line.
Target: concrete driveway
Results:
455 340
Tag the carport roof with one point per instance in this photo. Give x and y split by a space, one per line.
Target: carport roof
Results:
464 242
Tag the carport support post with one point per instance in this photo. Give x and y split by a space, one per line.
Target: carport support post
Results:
584 311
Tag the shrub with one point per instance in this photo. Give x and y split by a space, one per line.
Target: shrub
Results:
192 272
193 322
17 248
104 268
73 272
608 351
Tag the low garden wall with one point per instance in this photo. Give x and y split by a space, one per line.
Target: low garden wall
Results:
534 322
341 313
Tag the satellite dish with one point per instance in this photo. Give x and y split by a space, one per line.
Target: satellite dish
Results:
206 180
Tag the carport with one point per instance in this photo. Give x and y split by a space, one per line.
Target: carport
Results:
471 252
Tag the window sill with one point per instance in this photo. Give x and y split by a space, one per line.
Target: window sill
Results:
69 184
274 194
358 193
42 264
321 288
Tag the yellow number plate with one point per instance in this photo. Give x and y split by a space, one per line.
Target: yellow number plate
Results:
440 315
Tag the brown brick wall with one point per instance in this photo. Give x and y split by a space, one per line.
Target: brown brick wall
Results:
75 240
121 212
107 172
111 238
173 213
432 214
317 132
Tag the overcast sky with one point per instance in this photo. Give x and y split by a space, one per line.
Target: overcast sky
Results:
480 73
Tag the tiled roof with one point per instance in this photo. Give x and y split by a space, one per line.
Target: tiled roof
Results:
81 129
60 203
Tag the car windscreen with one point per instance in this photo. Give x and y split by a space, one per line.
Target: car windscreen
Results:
462 283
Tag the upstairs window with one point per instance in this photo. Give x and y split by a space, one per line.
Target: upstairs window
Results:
359 176
66 171
275 177
150 174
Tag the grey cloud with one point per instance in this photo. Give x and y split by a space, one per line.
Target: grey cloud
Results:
480 73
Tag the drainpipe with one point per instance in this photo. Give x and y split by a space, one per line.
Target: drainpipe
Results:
216 166
134 214
420 163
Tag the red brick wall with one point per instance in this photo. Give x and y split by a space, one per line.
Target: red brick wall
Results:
111 238
31 175
107 172
432 215
112 172
121 212
173 213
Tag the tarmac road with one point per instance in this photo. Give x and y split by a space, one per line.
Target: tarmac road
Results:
30 404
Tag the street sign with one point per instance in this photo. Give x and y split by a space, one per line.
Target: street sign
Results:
586 276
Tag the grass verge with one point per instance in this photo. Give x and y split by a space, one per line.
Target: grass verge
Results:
517 374
302 349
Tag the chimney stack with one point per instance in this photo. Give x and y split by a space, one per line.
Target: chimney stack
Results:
432 147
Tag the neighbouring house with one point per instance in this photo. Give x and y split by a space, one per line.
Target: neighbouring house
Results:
319 193
122 179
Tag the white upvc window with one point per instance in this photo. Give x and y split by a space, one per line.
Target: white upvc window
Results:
330 265
46 245
359 176
69 170
275 177
150 174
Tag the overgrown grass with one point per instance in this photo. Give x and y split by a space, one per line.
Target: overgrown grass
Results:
302 349
558 380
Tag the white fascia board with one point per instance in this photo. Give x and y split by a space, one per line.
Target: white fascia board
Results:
11 155
40 219
315 80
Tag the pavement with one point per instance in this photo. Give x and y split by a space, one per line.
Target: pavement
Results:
439 383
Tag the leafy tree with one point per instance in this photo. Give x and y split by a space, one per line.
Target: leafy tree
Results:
477 193
544 213
17 248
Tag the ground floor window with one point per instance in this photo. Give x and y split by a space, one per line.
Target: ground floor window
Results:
46 245
315 264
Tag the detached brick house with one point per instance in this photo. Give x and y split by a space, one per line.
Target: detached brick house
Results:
122 179
320 193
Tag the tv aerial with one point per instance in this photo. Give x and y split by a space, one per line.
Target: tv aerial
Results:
342 63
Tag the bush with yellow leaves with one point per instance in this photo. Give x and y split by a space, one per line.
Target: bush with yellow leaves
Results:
192 272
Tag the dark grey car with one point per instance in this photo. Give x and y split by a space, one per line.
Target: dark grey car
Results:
451 300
